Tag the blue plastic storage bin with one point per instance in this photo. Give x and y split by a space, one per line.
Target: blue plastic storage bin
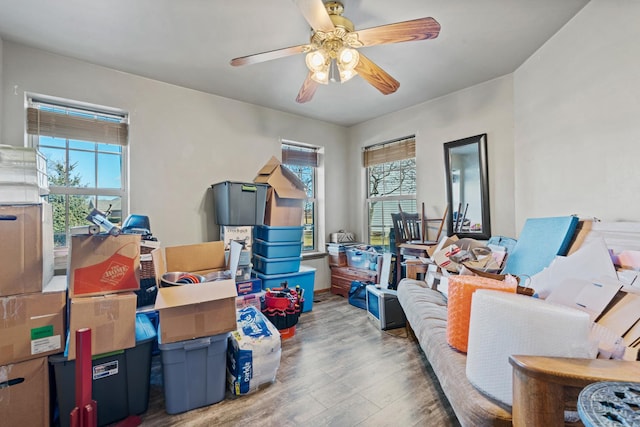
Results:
278 234
194 372
277 249
276 265
154 318
305 278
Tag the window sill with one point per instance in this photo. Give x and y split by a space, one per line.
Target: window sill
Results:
313 255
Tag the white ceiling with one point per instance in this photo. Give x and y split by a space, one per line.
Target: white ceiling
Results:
190 43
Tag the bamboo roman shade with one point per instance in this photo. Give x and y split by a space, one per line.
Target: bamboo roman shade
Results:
84 127
390 152
299 156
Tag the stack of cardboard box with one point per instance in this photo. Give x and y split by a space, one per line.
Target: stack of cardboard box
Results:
32 309
104 270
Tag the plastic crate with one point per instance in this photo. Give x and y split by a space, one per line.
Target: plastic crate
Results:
194 372
239 203
362 259
276 265
120 379
277 249
305 278
278 234
147 293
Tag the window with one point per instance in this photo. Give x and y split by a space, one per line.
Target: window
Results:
391 183
86 162
303 161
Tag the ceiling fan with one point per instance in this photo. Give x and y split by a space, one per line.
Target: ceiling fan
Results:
332 53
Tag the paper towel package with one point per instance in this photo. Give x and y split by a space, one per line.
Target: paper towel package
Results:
461 289
504 324
253 353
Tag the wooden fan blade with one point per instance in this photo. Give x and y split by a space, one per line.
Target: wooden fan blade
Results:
376 76
417 29
307 90
267 56
316 14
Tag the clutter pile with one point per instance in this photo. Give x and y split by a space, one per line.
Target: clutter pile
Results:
196 306
584 265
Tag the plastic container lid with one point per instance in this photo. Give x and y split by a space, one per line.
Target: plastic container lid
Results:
194 343
144 328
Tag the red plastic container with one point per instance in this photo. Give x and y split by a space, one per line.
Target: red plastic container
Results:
288 332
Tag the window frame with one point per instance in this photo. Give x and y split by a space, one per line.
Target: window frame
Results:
404 150
95 192
316 188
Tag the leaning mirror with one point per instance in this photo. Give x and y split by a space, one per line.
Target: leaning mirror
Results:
468 187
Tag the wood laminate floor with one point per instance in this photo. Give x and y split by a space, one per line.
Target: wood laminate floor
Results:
338 370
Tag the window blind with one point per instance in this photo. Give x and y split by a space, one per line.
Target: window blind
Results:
85 126
390 152
300 156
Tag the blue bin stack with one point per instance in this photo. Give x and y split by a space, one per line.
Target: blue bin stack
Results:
276 260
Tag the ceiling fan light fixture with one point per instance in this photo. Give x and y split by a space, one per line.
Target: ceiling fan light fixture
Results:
321 76
348 58
347 75
317 60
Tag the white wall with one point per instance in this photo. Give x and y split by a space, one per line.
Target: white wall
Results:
577 118
1 91
181 140
484 108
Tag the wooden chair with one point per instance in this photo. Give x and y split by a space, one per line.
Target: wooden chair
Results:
412 228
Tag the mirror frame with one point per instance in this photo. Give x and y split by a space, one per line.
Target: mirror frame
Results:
481 142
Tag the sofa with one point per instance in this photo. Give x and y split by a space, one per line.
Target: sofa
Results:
426 312
545 389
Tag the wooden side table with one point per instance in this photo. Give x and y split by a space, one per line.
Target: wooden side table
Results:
341 278
543 387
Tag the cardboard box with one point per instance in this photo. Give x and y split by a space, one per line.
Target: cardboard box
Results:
240 234
199 258
32 326
27 248
285 196
104 264
111 318
24 393
197 310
